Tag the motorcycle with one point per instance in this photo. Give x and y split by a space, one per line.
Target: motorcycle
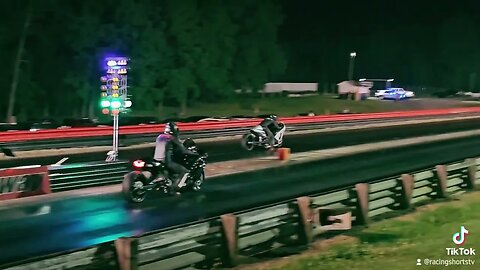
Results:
148 175
257 138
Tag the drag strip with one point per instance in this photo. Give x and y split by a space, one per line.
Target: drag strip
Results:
28 231
222 150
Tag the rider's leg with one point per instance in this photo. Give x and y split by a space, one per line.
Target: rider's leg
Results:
183 174
270 137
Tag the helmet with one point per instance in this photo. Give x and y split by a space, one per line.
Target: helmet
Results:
171 128
273 117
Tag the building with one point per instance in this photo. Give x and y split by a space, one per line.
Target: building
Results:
353 90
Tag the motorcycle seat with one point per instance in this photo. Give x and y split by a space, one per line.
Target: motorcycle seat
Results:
163 167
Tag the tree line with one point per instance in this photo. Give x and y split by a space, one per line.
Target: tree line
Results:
181 51
187 51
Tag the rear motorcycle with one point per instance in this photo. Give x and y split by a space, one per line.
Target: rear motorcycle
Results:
150 175
257 138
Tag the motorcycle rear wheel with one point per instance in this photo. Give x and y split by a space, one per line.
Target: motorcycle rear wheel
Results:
133 188
248 141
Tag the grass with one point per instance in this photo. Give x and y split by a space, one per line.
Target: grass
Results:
396 244
293 106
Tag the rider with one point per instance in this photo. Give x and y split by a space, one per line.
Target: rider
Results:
166 146
266 124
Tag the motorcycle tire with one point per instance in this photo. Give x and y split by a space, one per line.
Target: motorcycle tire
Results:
197 184
132 188
248 141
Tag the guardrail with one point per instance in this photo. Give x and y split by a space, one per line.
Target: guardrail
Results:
16 136
147 133
231 238
103 256
86 175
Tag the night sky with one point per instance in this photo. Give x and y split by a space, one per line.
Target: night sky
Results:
324 33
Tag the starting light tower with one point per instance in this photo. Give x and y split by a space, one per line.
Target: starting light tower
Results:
113 98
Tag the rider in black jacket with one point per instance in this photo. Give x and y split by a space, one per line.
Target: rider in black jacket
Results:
167 147
267 124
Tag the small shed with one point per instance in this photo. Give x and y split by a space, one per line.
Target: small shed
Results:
353 89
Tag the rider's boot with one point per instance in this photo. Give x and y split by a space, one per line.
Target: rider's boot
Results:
183 181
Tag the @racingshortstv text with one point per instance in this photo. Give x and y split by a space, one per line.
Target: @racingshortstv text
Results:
446 262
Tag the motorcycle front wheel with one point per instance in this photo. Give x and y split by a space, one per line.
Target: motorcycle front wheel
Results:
248 141
133 188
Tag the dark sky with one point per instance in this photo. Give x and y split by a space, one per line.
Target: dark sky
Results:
385 34
309 18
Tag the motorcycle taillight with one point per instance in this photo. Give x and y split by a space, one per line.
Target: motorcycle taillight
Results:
138 163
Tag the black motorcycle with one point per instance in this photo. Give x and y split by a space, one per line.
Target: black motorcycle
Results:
150 175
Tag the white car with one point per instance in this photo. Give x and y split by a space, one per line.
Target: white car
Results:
394 93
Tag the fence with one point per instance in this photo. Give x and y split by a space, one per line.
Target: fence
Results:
230 238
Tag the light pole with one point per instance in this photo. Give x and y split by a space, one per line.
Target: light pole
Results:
351 65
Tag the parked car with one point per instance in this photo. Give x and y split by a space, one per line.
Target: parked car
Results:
394 93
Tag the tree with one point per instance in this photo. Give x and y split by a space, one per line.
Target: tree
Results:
183 32
150 53
215 66
84 36
259 56
18 61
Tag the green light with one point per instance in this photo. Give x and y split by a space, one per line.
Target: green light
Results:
105 103
116 104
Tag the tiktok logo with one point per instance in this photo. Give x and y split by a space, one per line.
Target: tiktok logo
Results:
459 238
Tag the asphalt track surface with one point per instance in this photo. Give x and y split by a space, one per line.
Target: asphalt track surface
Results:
78 222
231 149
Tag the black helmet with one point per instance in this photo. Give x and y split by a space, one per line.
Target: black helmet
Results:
171 128
273 117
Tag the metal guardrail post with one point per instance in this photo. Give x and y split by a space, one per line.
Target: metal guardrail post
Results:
471 173
230 239
126 253
407 190
362 192
441 175
305 215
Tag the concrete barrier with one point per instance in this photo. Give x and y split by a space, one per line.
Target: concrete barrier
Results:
23 182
